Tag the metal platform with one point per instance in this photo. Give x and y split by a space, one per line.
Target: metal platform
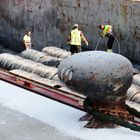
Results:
71 99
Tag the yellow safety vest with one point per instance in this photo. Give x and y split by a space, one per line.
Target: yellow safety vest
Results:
75 37
105 31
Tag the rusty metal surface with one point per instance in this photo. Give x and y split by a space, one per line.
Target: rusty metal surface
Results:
97 74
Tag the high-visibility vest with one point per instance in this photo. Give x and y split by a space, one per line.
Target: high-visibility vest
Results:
105 30
75 37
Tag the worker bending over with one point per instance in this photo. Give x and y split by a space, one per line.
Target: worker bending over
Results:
75 38
107 32
27 40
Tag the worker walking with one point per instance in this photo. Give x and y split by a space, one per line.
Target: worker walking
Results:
75 38
107 32
27 40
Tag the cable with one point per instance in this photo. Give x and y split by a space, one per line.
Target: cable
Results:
97 43
118 44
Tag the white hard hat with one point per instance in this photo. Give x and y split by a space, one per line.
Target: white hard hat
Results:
76 25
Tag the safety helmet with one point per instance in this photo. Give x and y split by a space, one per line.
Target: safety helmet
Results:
76 25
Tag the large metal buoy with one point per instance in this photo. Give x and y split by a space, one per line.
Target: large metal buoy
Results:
99 75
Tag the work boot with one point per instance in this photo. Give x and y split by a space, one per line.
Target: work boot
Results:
109 50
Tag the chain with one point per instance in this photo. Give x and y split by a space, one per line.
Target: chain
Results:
111 118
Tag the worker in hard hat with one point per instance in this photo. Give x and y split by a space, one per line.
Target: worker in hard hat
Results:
27 40
75 38
107 32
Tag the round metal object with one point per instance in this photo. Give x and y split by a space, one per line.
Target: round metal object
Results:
97 74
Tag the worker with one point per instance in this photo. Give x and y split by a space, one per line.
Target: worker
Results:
27 40
75 38
107 32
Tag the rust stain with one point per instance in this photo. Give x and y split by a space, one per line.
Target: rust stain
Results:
78 3
112 7
137 32
98 2
39 7
124 9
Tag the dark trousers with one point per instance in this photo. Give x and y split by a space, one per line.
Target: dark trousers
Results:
110 41
75 49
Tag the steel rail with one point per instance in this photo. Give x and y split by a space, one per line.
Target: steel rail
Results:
68 98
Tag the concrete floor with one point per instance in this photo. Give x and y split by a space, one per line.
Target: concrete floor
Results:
17 126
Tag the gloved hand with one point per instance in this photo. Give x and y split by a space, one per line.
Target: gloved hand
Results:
86 43
102 35
108 34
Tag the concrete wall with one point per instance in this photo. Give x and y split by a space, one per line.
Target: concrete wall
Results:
51 20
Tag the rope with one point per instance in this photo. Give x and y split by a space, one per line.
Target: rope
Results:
110 118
